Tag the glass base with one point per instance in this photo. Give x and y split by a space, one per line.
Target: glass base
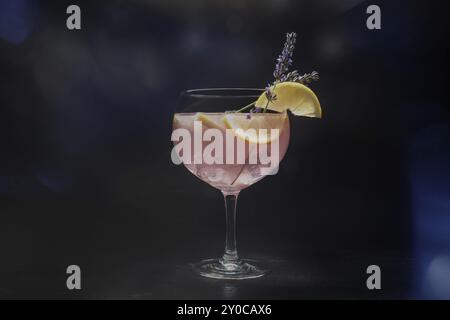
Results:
243 269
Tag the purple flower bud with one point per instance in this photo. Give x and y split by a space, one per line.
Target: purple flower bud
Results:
285 59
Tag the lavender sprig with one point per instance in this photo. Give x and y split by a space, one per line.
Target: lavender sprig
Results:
282 74
305 79
271 96
284 60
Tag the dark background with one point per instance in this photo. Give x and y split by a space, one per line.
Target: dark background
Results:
85 170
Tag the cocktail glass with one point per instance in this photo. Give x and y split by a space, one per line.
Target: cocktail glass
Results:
230 177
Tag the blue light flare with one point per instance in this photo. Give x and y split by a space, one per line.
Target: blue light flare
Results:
16 19
429 165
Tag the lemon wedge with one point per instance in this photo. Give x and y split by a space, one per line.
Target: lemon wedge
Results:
240 124
296 97
209 122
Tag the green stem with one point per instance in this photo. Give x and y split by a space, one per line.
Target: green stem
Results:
265 108
246 107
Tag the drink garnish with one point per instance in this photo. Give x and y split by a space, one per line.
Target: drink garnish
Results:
289 90
296 97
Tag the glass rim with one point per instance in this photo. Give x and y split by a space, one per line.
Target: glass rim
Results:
271 114
214 93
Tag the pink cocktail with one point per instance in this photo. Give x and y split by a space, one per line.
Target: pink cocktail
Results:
230 151
234 176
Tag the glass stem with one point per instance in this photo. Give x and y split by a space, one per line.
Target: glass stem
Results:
230 258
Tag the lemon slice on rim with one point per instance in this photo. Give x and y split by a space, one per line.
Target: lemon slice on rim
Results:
296 97
240 125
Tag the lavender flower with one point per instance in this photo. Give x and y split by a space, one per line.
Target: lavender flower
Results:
305 79
284 60
271 96
309 77
253 110
282 74
291 76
